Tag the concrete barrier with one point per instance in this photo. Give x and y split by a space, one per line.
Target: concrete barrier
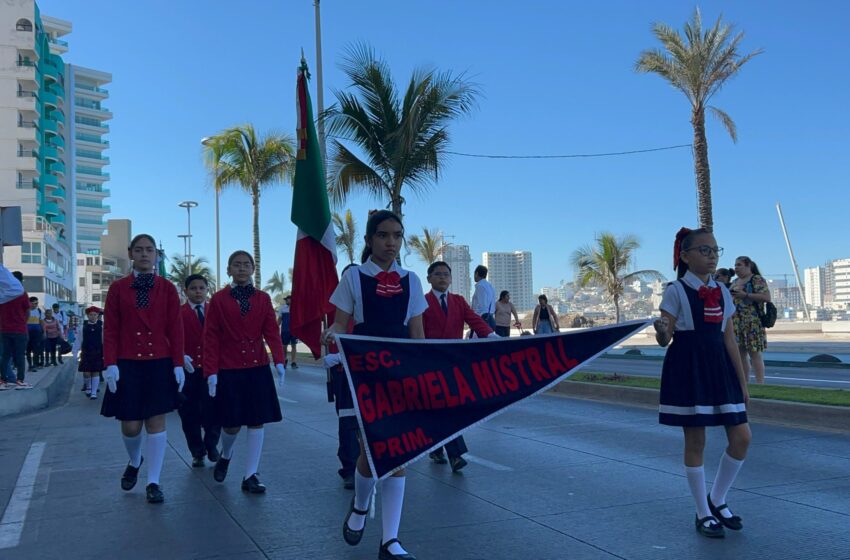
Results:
51 390
810 416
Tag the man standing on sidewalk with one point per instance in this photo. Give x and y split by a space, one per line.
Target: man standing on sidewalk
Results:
35 332
484 298
14 310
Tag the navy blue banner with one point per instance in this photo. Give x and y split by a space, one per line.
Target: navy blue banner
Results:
412 396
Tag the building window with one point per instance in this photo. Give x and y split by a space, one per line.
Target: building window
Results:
31 252
89 261
82 282
95 297
23 25
33 284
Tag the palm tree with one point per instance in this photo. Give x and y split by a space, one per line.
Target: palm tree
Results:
429 246
403 140
698 65
237 156
346 233
180 269
605 263
276 284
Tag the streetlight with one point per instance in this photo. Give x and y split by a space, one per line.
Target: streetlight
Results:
188 205
206 142
185 238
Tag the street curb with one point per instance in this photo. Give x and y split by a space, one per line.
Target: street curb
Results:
810 416
52 390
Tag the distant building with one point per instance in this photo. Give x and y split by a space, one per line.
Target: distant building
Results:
814 286
457 257
512 272
841 279
787 298
97 271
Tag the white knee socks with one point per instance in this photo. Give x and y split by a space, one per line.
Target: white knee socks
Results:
95 383
392 500
363 488
255 448
134 449
155 450
696 480
727 471
227 441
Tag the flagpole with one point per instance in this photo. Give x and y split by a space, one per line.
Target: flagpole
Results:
320 98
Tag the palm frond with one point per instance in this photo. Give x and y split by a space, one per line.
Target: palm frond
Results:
727 121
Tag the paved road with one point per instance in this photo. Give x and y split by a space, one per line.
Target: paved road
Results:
825 377
554 478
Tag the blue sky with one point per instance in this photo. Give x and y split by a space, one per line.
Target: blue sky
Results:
557 78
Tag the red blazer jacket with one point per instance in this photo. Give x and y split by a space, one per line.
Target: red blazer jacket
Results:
440 325
130 333
235 342
193 333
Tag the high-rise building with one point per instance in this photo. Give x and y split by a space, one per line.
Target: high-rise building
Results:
42 117
97 271
457 257
814 286
512 272
841 279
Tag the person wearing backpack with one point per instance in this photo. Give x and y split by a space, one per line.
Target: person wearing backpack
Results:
751 293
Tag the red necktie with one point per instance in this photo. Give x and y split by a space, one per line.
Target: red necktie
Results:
389 284
712 313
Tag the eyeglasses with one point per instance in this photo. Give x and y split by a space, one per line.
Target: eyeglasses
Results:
707 251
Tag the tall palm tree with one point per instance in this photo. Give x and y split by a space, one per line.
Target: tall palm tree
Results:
238 156
605 263
276 284
403 136
429 246
698 65
180 269
346 233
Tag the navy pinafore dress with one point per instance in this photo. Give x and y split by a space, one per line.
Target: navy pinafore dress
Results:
383 316
699 386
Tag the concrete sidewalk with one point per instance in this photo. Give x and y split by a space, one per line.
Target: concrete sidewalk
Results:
50 388
553 478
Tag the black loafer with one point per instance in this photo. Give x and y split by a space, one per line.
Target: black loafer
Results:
458 463
713 530
351 536
198 462
438 457
735 523
253 485
154 494
130 476
384 554
220 471
213 455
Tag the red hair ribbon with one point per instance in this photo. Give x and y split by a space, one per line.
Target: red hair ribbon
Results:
712 313
677 245
389 284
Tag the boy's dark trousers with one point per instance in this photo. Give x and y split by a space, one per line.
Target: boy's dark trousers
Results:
196 412
35 346
349 447
50 351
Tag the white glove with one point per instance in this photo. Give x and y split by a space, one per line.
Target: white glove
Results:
111 376
212 381
281 374
493 335
332 360
187 364
180 377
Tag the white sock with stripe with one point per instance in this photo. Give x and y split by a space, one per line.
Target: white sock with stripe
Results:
363 487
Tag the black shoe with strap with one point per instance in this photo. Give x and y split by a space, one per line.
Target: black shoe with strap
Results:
154 494
220 471
385 554
130 476
458 463
713 529
252 485
351 536
735 523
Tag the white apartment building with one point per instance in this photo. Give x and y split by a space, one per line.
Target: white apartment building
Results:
511 271
97 271
813 279
457 257
841 279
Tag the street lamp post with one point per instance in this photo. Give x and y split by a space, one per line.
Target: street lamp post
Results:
185 238
188 205
206 142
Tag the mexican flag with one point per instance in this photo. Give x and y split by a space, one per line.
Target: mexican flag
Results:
314 276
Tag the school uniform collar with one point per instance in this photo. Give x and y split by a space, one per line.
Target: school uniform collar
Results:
136 272
234 285
692 281
371 269
437 293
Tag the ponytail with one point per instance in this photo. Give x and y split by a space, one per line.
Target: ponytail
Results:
684 241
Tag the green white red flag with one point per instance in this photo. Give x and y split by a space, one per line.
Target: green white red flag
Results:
314 275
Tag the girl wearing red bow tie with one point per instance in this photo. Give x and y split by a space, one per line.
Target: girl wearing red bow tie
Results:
387 301
702 381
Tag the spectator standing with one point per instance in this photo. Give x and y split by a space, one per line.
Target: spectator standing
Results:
504 310
14 307
286 337
484 297
545 320
751 292
35 334
52 329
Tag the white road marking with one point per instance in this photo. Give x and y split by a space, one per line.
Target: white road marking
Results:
15 515
486 463
806 379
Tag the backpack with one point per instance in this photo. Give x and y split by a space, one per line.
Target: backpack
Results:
767 316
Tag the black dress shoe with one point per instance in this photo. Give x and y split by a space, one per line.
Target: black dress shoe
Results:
198 462
348 482
351 536
154 494
220 471
213 455
438 457
385 554
713 530
733 522
458 463
253 485
130 476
